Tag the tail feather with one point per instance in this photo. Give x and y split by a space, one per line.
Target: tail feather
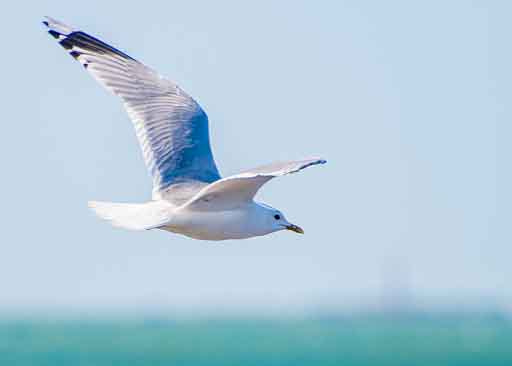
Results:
133 216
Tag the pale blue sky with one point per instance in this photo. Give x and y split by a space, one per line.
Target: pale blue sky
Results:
408 102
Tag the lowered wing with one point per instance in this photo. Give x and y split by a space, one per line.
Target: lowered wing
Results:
231 192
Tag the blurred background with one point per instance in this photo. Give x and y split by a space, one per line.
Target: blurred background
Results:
406 256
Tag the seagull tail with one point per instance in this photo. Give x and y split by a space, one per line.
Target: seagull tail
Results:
131 216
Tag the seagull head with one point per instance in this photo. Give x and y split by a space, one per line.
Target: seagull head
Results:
276 221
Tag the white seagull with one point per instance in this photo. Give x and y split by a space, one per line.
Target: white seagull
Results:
189 196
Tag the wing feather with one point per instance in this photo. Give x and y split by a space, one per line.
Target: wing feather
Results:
171 126
233 191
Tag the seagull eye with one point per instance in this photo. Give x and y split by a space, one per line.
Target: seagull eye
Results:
277 217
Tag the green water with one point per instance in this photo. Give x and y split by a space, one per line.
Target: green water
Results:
351 340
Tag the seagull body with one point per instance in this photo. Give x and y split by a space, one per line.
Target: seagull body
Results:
189 195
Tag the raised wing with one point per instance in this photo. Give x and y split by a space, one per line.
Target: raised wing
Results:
171 126
233 191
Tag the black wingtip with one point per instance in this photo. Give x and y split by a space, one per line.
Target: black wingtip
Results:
54 34
46 23
66 43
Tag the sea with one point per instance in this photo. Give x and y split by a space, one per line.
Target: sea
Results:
408 339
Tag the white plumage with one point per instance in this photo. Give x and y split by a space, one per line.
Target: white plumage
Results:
189 195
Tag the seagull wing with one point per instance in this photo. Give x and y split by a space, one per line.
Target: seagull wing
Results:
171 126
230 192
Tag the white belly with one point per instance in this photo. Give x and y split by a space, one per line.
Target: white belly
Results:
217 225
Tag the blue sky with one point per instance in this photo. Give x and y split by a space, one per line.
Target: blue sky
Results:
408 102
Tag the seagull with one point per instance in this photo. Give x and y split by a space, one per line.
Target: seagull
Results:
189 195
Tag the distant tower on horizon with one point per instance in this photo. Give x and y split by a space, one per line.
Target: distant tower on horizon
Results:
395 289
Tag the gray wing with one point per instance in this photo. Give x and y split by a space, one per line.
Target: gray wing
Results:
230 192
171 126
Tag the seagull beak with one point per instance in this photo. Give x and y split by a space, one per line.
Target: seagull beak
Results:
295 228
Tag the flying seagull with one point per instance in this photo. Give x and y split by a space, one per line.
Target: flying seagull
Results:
189 195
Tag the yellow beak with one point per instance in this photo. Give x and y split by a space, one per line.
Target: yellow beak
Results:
295 228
